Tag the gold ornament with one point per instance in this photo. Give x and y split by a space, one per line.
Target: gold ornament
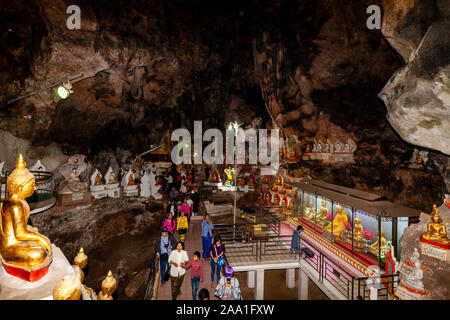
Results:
81 259
436 230
69 288
109 286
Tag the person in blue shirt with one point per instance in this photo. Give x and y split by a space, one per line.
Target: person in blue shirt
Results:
295 242
207 229
164 246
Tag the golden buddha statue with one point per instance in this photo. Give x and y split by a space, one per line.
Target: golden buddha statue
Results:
21 245
380 240
436 231
310 211
322 216
98 179
109 286
418 158
338 222
131 180
358 236
308 149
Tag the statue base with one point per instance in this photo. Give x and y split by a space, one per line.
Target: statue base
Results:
14 288
73 199
30 274
131 191
434 243
98 191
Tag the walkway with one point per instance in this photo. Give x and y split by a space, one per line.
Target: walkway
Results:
193 243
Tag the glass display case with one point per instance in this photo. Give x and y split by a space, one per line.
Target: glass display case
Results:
309 210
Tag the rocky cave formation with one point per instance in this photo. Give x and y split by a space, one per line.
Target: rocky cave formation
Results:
151 66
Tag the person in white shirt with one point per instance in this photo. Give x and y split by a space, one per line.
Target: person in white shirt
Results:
177 259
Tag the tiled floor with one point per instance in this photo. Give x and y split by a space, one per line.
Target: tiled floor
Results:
193 243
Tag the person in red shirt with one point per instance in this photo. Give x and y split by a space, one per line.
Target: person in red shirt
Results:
196 273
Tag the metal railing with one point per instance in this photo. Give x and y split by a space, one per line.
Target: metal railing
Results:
45 186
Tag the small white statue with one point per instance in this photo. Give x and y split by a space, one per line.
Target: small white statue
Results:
319 147
145 185
338 147
346 148
327 147
314 148
110 176
96 178
2 164
38 166
416 276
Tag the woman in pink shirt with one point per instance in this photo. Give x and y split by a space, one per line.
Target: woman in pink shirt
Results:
186 208
169 223
196 273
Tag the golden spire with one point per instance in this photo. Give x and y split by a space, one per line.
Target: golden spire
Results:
81 259
109 286
21 164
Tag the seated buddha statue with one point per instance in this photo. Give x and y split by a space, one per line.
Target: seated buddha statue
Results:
293 156
338 222
310 211
98 179
21 245
436 231
131 180
322 216
380 240
308 148
358 236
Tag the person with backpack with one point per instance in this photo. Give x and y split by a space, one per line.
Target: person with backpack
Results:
216 252
164 245
228 287
196 273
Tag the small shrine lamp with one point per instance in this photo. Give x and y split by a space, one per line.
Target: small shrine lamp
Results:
64 90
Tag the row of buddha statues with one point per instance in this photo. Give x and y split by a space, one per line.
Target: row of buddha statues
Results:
339 226
280 194
330 152
107 185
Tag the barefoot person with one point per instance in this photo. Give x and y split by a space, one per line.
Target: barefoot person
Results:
216 252
177 259
196 273
207 229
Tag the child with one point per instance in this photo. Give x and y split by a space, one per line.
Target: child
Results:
196 273
182 226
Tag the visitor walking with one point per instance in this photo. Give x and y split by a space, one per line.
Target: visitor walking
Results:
172 207
163 248
295 241
173 195
177 259
190 203
196 200
216 253
228 287
207 229
196 273
186 208
182 226
169 223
